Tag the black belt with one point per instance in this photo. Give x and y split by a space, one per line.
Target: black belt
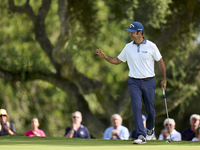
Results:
143 79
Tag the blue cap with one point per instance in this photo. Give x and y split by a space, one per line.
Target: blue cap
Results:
135 26
143 117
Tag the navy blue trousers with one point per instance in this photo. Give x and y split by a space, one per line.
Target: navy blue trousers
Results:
145 90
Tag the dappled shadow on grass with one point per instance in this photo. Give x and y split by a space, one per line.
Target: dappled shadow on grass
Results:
22 140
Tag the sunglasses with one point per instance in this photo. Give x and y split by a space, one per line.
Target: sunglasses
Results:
75 117
2 115
168 124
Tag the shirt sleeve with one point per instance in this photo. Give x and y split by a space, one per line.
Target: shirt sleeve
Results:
106 135
156 55
88 134
12 128
160 137
122 55
67 130
27 133
125 134
177 137
42 134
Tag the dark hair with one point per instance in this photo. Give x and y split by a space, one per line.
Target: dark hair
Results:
139 31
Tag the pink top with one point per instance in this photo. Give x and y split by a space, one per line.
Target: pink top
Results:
30 133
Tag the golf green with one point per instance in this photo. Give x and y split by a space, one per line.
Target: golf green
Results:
58 143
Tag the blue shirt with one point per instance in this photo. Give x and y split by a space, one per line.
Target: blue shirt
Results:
121 130
187 134
82 132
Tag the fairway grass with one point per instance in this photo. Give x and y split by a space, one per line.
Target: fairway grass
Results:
58 143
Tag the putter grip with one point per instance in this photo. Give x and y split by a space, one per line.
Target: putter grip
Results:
164 93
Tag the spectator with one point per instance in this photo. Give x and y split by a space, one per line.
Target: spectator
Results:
169 127
6 128
116 131
197 133
134 133
189 133
34 129
77 130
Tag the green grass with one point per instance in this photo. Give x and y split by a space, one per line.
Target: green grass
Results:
57 143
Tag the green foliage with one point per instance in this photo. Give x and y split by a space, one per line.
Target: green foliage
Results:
94 24
19 49
39 99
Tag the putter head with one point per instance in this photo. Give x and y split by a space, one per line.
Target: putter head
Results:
168 141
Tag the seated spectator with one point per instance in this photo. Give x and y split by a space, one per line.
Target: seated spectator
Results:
116 131
169 128
77 130
134 134
197 133
34 129
6 128
189 133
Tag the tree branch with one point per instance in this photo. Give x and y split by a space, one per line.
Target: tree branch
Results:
26 8
39 25
40 32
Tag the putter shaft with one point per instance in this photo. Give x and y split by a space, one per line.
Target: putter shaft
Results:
170 139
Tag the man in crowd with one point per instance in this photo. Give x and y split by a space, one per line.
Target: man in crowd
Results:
169 128
77 130
6 127
189 133
116 131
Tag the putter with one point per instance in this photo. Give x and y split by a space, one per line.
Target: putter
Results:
170 138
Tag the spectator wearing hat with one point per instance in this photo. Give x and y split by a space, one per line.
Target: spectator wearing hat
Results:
6 127
134 133
169 129
34 129
116 131
189 133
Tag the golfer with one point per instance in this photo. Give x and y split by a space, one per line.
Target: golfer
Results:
140 55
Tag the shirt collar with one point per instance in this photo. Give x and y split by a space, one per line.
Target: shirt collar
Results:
118 127
143 42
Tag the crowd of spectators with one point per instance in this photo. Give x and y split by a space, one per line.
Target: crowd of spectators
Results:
116 131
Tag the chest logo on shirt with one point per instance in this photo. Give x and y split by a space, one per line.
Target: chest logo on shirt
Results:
144 51
82 133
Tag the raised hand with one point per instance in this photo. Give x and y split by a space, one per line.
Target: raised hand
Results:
100 53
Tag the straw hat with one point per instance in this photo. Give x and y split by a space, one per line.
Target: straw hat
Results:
3 112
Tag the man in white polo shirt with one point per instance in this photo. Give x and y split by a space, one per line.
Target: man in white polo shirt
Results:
140 55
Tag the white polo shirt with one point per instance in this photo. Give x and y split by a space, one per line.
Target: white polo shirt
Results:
140 58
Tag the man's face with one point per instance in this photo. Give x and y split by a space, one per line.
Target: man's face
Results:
3 119
116 121
76 118
194 122
170 124
135 35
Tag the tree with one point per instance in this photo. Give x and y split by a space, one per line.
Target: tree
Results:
69 64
